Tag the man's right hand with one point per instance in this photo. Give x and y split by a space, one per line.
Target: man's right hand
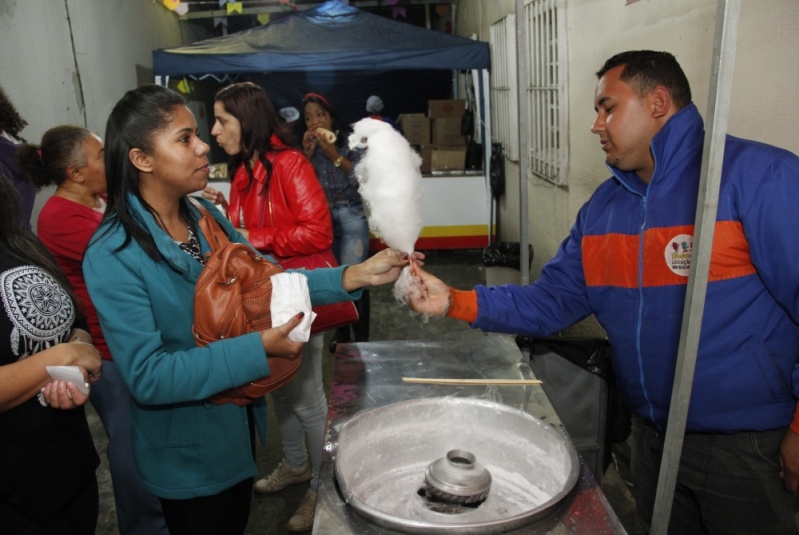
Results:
435 299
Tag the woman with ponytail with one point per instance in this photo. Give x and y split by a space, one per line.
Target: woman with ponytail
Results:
72 159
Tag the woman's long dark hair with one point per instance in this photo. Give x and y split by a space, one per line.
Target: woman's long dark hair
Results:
61 148
341 130
10 121
250 105
17 240
133 124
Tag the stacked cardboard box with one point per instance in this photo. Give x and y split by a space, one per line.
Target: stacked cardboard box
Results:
448 149
436 158
437 135
415 127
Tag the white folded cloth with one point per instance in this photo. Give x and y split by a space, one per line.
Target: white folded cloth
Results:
290 296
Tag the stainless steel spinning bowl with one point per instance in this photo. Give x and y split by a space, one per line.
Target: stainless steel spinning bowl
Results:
382 455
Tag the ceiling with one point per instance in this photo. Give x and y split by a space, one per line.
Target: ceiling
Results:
430 14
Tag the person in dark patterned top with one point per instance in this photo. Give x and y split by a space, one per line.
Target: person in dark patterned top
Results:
334 163
47 456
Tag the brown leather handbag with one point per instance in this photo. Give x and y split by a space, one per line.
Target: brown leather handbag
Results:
232 298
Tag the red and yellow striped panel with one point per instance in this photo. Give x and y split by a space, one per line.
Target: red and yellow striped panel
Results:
445 237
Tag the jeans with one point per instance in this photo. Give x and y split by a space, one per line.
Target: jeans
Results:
138 511
350 232
301 410
726 484
351 246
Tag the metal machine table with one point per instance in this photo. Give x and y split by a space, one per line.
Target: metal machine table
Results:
369 375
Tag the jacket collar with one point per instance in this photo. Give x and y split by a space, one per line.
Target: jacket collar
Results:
682 134
173 255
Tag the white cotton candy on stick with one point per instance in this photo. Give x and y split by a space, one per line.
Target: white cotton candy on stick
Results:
390 183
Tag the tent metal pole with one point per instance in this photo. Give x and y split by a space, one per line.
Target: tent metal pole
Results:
481 101
524 155
484 112
727 14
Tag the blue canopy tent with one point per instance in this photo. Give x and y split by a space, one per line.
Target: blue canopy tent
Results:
334 41
333 36
330 48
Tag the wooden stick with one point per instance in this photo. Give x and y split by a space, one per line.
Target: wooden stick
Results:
433 381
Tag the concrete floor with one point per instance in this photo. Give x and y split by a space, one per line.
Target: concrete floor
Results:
461 269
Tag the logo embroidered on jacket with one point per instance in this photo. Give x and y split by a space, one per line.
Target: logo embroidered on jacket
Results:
678 254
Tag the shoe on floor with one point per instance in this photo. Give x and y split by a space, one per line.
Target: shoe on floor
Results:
281 477
302 520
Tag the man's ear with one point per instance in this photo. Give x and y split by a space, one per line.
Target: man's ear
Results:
140 160
661 102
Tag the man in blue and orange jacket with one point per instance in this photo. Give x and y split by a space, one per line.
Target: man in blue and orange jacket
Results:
627 260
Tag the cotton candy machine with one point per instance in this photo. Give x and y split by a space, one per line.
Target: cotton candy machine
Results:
384 437
453 465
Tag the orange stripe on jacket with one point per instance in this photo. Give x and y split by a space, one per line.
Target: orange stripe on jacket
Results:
612 259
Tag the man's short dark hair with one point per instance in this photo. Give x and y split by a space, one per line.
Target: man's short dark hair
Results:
644 70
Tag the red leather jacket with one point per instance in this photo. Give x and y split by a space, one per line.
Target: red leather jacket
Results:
291 216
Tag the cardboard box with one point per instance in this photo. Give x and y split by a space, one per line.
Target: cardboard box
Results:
440 109
447 132
415 127
448 159
426 151
435 158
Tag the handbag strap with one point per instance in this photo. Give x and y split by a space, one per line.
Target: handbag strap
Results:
213 233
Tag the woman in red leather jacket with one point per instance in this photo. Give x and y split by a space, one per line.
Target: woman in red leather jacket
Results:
280 207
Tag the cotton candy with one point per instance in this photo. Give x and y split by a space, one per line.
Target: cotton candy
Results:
390 183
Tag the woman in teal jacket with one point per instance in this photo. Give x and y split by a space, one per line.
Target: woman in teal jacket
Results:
140 269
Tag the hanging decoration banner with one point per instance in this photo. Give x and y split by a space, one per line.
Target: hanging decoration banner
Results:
184 87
